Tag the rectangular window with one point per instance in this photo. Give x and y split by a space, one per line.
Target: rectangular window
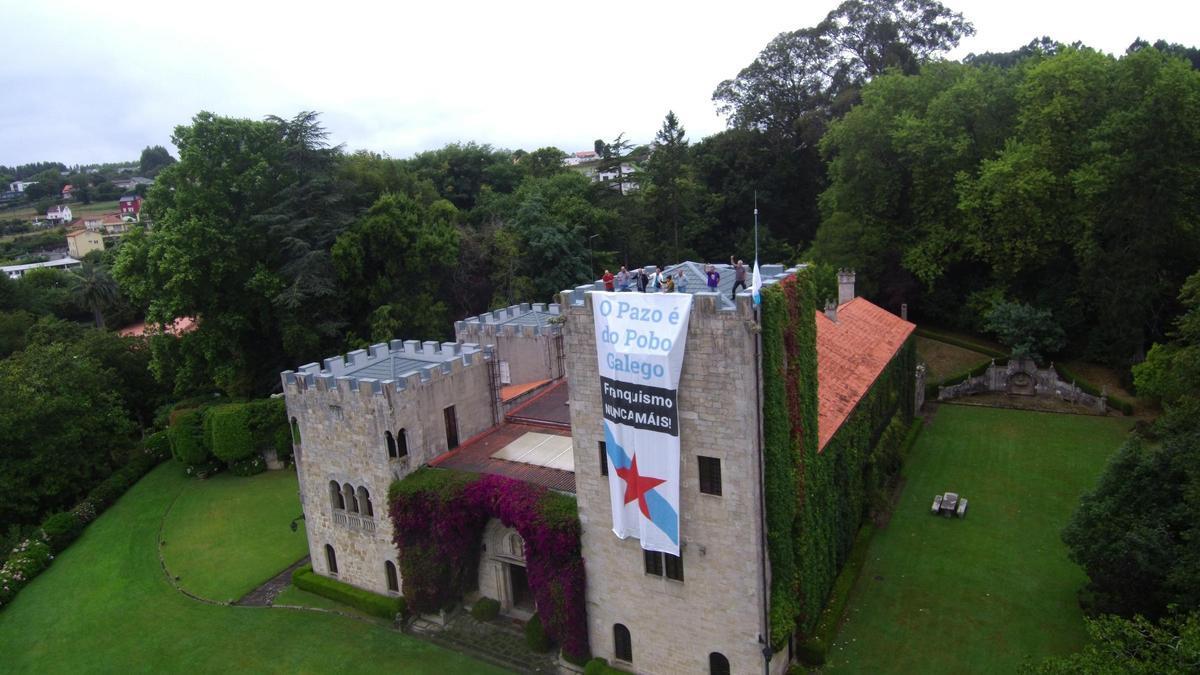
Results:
654 564
603 458
451 428
710 475
674 567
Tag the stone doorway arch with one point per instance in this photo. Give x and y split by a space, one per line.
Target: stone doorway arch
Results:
502 572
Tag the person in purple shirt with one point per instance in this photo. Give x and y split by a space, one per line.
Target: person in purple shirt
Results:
713 276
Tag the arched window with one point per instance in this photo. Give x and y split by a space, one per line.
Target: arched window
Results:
330 559
364 502
622 643
348 495
402 443
391 443
335 496
295 432
393 581
718 664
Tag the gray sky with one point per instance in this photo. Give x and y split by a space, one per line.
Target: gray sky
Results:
96 82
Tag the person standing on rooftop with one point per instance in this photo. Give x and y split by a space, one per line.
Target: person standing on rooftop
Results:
608 281
642 280
681 281
739 276
713 277
622 279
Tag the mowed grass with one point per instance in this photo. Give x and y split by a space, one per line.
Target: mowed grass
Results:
227 535
944 359
982 594
105 606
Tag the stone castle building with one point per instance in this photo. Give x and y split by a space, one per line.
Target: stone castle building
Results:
518 394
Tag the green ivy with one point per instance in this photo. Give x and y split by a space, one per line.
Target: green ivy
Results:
818 498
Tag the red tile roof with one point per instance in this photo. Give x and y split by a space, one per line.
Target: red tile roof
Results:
476 456
851 354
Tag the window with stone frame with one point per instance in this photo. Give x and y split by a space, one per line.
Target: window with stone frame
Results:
393 580
710 475
391 444
336 499
402 442
673 565
653 562
331 560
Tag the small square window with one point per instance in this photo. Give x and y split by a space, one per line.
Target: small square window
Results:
603 458
710 475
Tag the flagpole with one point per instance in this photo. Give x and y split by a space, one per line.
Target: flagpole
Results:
756 227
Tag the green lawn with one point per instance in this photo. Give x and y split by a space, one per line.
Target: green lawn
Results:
983 594
226 535
105 606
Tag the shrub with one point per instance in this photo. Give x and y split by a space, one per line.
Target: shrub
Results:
230 432
485 609
599 666
186 435
157 445
1115 402
60 529
383 606
25 562
251 466
535 635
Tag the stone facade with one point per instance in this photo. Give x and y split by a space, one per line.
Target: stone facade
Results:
1023 377
342 421
526 338
719 605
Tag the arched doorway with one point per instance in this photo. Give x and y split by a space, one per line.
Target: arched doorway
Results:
502 572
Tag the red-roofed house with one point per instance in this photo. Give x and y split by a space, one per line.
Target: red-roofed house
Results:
131 206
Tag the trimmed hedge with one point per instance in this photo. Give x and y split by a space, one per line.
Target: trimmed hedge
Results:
535 635
186 435
485 609
960 342
60 529
931 388
229 432
599 666
382 606
812 652
1125 406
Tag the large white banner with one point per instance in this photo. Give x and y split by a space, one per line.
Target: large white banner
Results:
639 347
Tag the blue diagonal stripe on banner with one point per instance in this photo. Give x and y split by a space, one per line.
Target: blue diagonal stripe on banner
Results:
616 454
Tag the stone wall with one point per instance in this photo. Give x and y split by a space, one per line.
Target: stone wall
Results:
719 604
1019 375
531 352
342 423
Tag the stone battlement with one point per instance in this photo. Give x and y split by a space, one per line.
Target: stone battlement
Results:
525 319
397 366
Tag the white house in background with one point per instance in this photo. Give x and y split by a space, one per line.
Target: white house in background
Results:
18 271
580 157
20 185
59 214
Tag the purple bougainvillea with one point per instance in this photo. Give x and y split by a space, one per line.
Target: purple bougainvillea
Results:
439 518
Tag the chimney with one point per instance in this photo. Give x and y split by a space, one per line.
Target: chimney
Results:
845 286
831 310
904 311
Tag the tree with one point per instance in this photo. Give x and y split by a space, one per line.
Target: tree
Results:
612 161
674 200
209 257
394 265
1171 372
543 162
96 291
1134 647
1027 331
1137 535
154 159
799 76
61 422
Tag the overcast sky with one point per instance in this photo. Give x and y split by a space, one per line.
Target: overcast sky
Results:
91 81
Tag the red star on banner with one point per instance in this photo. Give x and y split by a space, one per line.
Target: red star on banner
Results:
637 486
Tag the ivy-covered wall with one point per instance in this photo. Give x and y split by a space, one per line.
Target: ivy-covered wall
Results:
817 498
439 517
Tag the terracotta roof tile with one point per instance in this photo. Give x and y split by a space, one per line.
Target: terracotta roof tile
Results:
851 354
